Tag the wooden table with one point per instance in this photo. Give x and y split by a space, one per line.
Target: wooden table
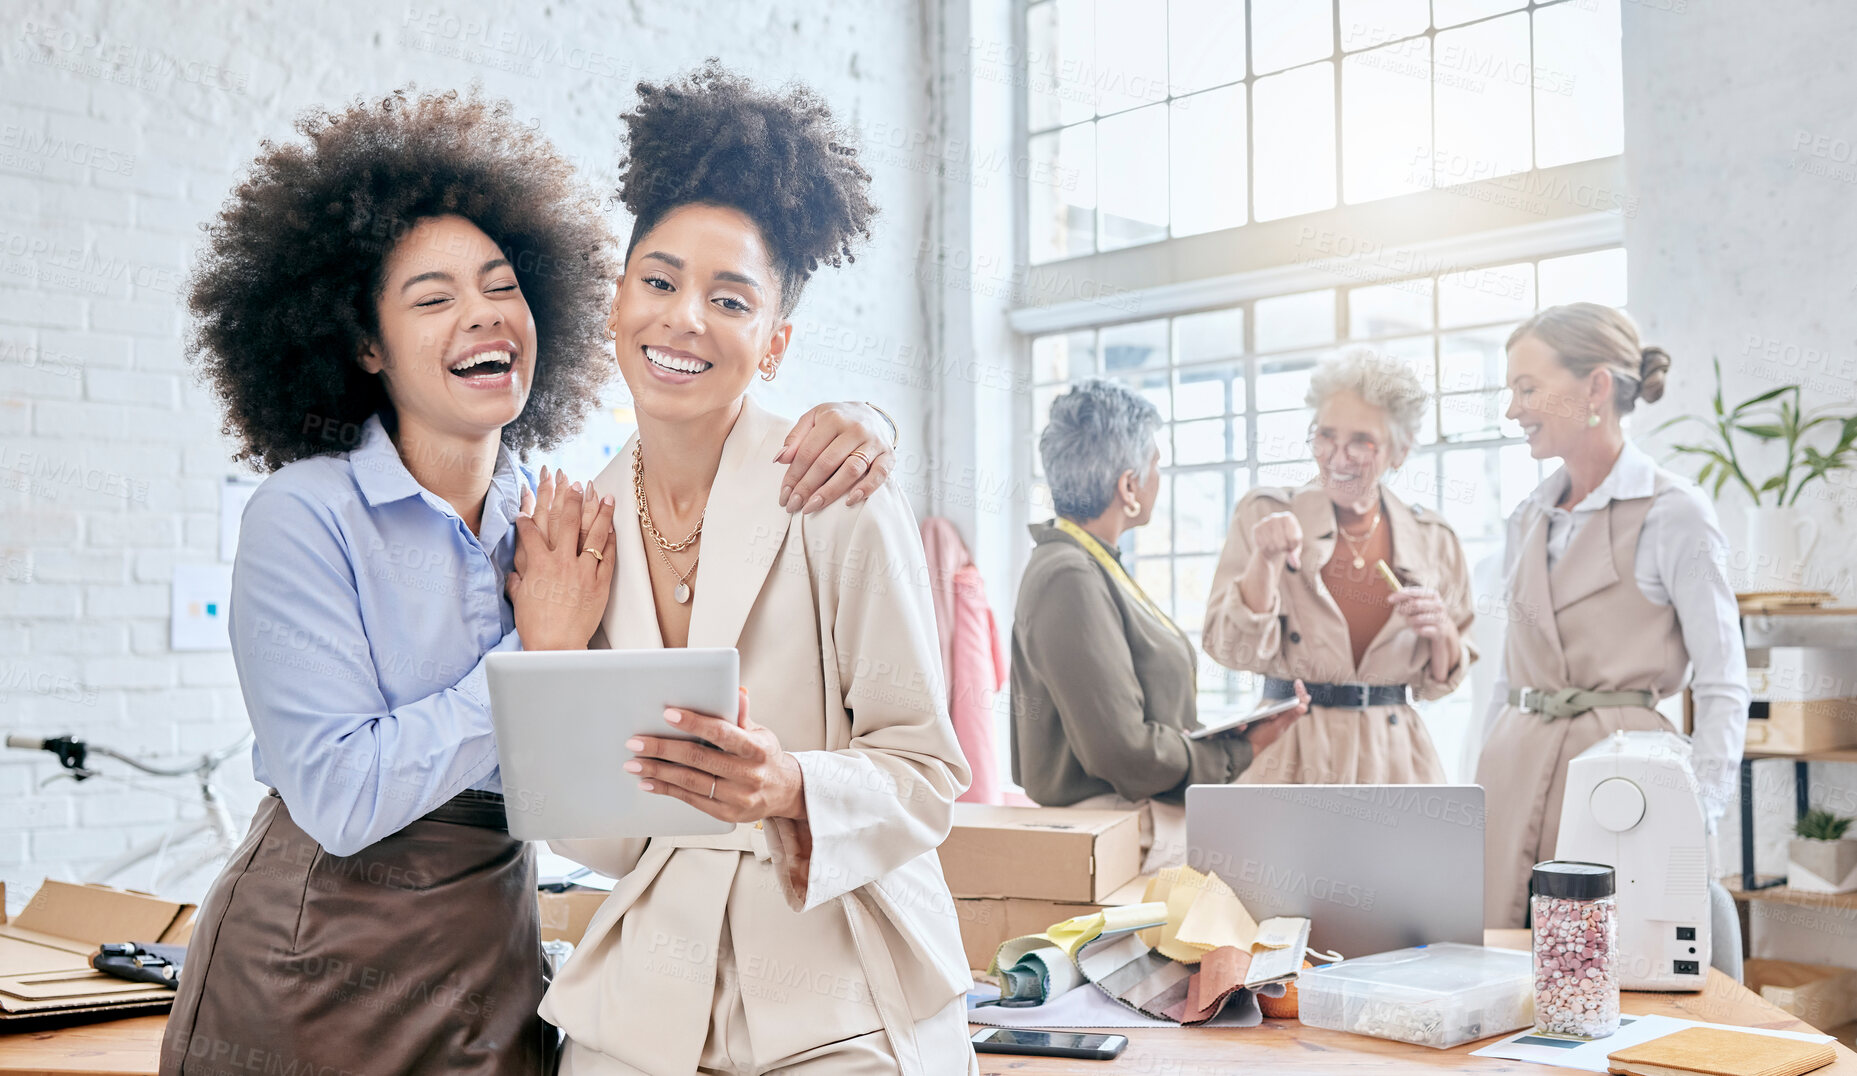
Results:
1285 1046
132 1046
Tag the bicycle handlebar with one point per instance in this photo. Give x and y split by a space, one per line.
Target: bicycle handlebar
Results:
73 753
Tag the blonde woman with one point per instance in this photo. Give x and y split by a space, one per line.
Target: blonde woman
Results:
1611 575
818 935
1299 593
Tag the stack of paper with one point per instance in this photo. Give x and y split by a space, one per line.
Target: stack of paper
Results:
1715 1051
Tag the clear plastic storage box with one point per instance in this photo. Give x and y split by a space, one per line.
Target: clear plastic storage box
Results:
1431 995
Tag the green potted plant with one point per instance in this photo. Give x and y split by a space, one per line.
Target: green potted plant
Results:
1780 537
1820 859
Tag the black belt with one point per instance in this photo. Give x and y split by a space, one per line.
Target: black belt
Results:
1340 696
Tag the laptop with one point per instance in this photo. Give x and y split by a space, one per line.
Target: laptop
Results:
1373 867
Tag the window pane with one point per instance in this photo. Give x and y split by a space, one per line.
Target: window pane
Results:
1135 346
1209 337
1452 12
1387 309
1200 442
1134 198
1290 32
1470 416
1282 436
1469 494
1499 293
1060 47
1063 357
1284 382
1201 511
1473 362
1207 171
1157 388
1295 321
1131 56
1416 482
1294 142
1598 277
1480 80
1061 192
1192 586
1206 44
1579 85
1366 23
1205 391
1415 353
1386 121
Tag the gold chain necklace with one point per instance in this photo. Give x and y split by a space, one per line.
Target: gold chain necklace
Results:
665 548
1355 545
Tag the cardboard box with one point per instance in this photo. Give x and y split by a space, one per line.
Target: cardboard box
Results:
1810 701
1040 853
565 915
45 951
986 922
1820 994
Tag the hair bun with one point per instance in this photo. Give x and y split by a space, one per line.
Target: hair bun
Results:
1653 365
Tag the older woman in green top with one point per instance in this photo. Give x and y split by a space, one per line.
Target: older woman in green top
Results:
1103 682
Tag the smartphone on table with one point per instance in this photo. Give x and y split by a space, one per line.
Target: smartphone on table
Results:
1016 1040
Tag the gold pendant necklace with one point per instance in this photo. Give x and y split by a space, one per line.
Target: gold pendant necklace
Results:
1360 561
665 548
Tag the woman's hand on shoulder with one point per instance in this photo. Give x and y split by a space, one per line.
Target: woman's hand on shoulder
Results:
563 567
746 777
835 450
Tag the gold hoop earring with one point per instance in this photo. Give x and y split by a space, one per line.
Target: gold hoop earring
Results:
767 373
1131 510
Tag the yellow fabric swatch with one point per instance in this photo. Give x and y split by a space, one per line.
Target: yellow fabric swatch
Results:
1078 931
1215 919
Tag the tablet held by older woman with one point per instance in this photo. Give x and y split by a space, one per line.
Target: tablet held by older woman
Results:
1104 692
1301 591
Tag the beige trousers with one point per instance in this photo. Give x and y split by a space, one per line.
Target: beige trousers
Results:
728 1051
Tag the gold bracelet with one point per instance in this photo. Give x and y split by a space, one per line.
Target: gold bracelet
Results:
895 431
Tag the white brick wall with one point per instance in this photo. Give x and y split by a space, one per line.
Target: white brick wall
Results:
122 128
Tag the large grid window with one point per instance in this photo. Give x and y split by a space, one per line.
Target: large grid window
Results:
1147 121
1230 385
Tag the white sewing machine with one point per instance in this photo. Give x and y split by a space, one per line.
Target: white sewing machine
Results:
1632 802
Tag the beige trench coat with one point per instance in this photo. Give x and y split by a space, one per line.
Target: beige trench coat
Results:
1303 635
1586 625
839 653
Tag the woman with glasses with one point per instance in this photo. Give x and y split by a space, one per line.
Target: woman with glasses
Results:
1342 585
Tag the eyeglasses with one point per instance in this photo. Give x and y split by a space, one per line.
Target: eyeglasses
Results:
1360 448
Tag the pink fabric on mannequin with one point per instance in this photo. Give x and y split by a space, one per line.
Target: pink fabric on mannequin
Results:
972 658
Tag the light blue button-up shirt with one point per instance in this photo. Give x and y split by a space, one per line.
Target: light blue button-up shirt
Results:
362 608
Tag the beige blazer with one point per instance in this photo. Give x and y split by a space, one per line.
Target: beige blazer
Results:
1303 635
839 653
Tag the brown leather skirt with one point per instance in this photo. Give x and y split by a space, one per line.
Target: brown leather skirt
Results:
421 953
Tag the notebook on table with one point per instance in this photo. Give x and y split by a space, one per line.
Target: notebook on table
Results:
1710 1051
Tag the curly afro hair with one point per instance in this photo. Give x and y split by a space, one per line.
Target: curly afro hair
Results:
714 138
285 297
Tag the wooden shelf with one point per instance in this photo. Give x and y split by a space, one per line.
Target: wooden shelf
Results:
1829 754
1787 895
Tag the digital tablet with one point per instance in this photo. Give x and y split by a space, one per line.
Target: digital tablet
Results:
1282 706
562 718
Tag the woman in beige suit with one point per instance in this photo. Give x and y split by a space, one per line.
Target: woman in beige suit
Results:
818 936
1612 589
1299 595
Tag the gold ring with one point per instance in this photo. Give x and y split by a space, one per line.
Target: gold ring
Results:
597 555
712 788
859 454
